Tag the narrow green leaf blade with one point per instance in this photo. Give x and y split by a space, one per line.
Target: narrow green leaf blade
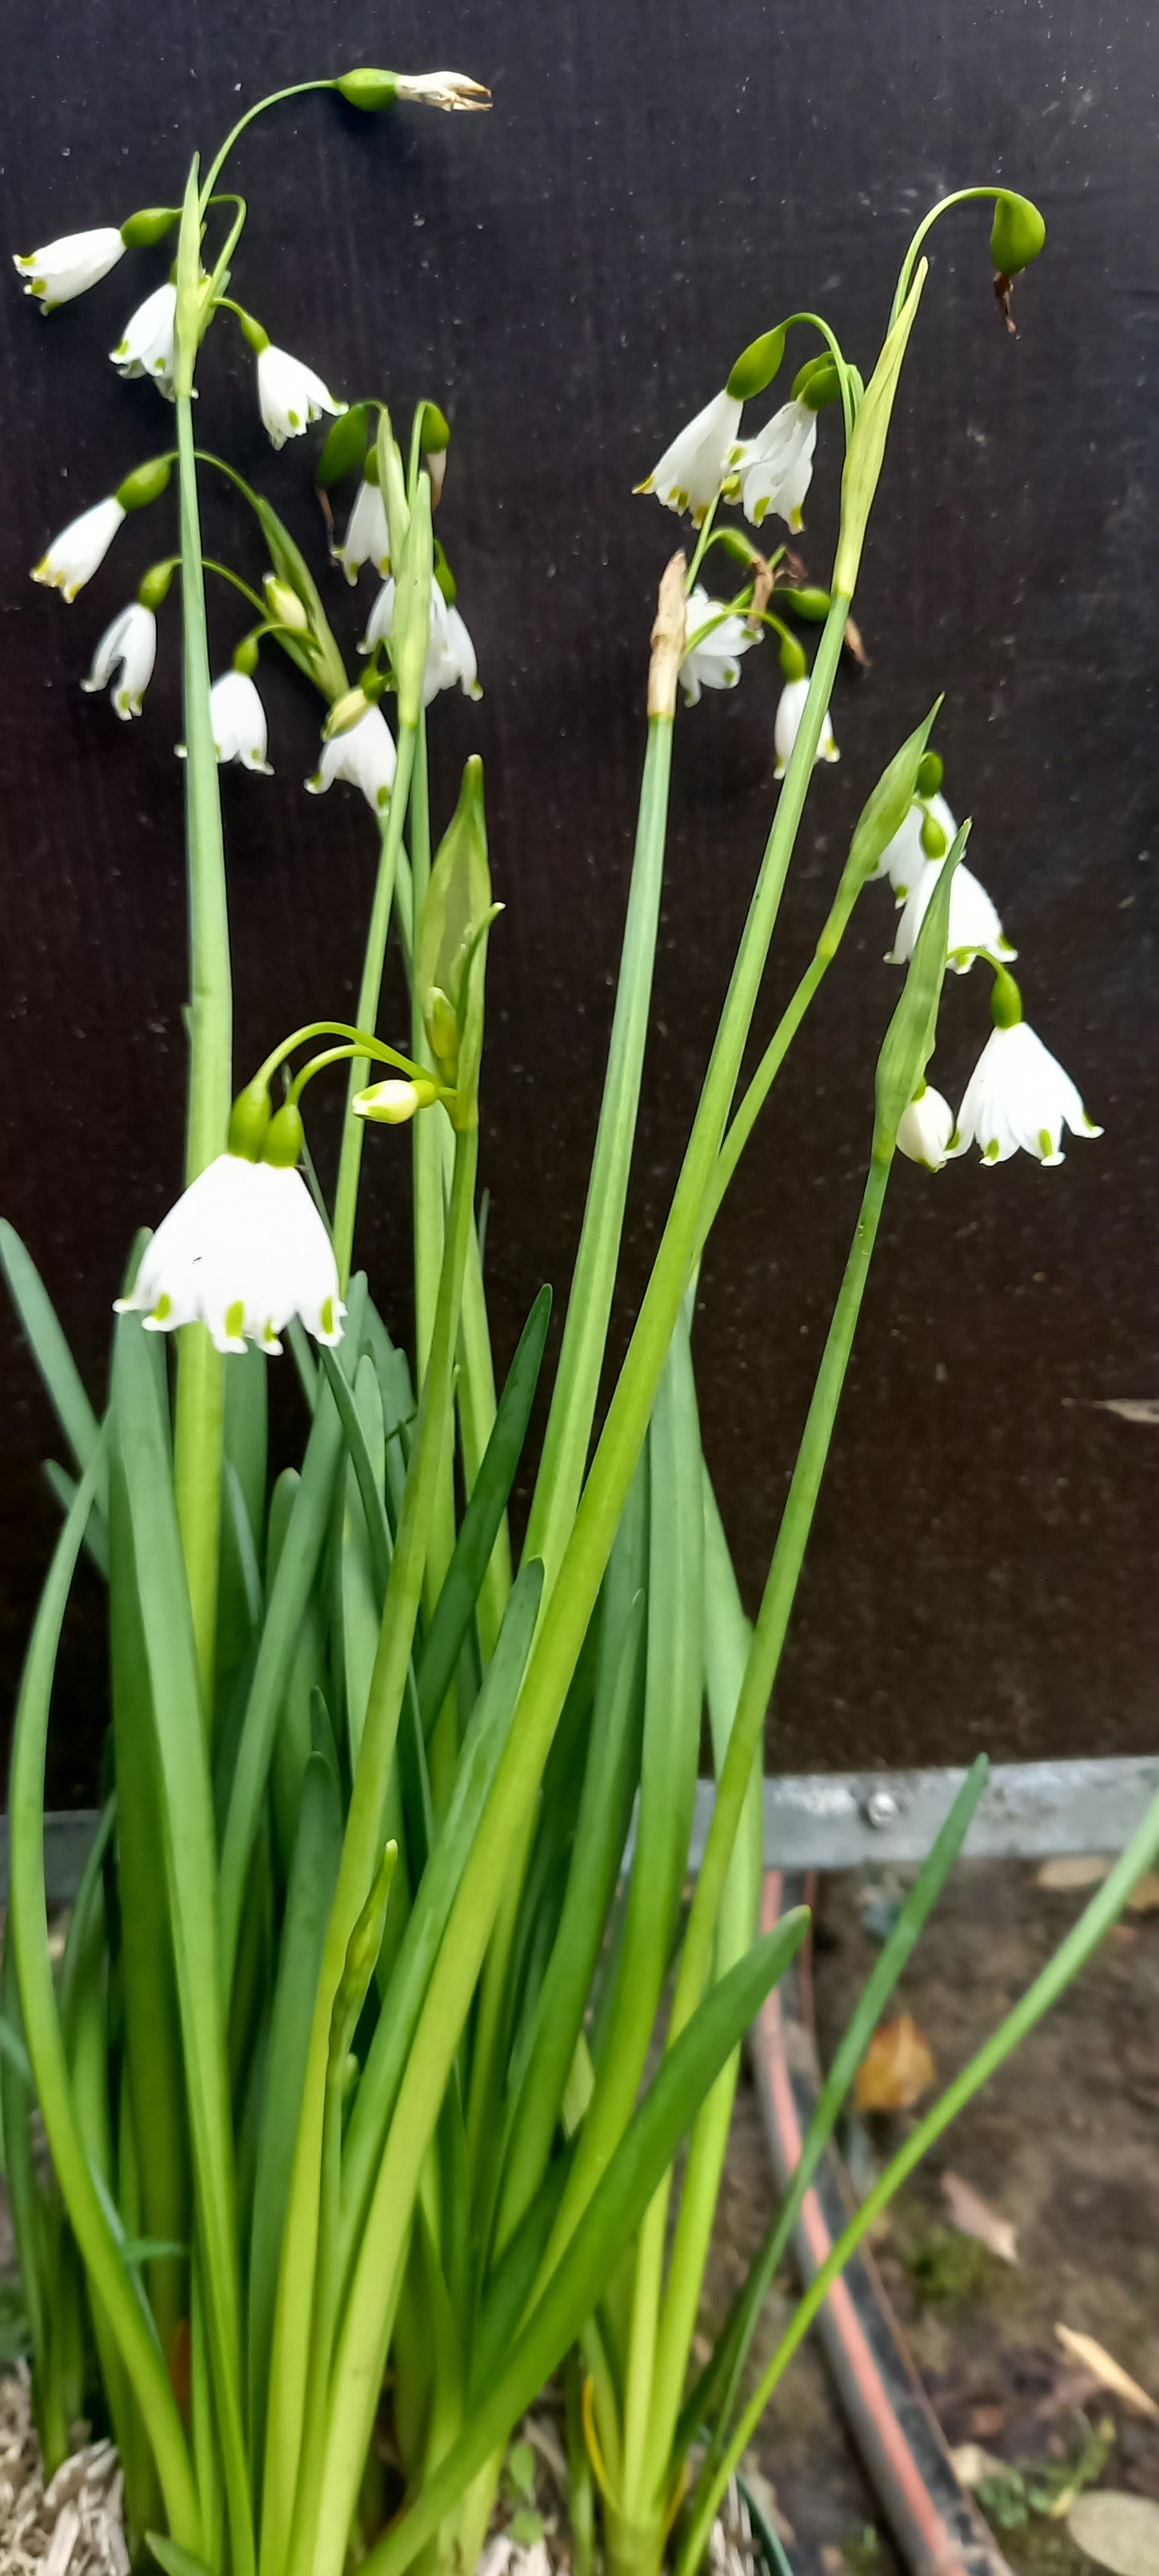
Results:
483 1516
46 1341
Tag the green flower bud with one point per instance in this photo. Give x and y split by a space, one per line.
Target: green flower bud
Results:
146 483
817 383
284 604
154 588
444 576
1017 235
812 605
933 839
368 89
245 656
1005 1000
149 226
343 448
392 1103
285 1138
249 1121
435 434
756 366
793 663
931 771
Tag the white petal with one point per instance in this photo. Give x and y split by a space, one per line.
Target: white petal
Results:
146 344
925 1129
130 646
238 721
365 756
243 1250
290 395
690 472
787 725
67 267
80 549
367 538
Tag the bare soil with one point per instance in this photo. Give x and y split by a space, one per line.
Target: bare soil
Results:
1063 2142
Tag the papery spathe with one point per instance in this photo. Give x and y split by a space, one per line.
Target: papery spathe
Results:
290 395
691 471
80 549
69 266
776 467
243 1250
145 347
125 655
787 725
453 91
1019 1096
364 755
712 655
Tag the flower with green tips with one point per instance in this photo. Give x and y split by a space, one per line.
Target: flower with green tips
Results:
243 1250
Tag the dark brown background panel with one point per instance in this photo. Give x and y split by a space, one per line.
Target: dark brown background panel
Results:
572 277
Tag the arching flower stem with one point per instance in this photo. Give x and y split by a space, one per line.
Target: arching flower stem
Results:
369 993
960 197
298 89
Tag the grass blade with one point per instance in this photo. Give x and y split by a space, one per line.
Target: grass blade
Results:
58 1369
483 1516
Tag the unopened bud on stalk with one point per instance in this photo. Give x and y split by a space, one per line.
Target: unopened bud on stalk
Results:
756 366
392 1103
284 605
668 639
146 483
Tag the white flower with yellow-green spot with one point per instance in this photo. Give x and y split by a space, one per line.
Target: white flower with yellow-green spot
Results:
717 638
1018 1097
242 1251
80 549
776 467
125 656
692 469
69 266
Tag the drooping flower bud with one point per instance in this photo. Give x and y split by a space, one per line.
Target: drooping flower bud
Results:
149 226
1017 234
284 605
392 1103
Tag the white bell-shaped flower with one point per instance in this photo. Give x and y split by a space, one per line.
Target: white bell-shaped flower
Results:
364 755
712 654
787 725
243 1250
367 538
452 91
925 1128
974 927
238 721
450 652
691 471
1019 1096
903 859
125 655
776 467
69 266
145 347
290 395
80 549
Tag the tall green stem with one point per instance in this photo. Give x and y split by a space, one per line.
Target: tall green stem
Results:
581 1357
369 997
200 1369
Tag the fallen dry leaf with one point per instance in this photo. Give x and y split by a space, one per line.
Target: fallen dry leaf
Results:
1120 2531
1144 1896
974 2217
1110 2374
1077 1869
896 2070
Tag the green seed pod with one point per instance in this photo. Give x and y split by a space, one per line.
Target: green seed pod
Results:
148 226
1017 235
817 383
146 483
793 663
931 771
812 605
154 588
435 435
739 548
933 839
756 366
249 1121
368 89
344 447
285 1137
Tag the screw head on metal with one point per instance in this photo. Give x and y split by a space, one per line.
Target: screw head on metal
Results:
881 1809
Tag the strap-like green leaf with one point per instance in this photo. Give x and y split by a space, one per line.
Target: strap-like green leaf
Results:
483 1515
52 1355
615 2209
